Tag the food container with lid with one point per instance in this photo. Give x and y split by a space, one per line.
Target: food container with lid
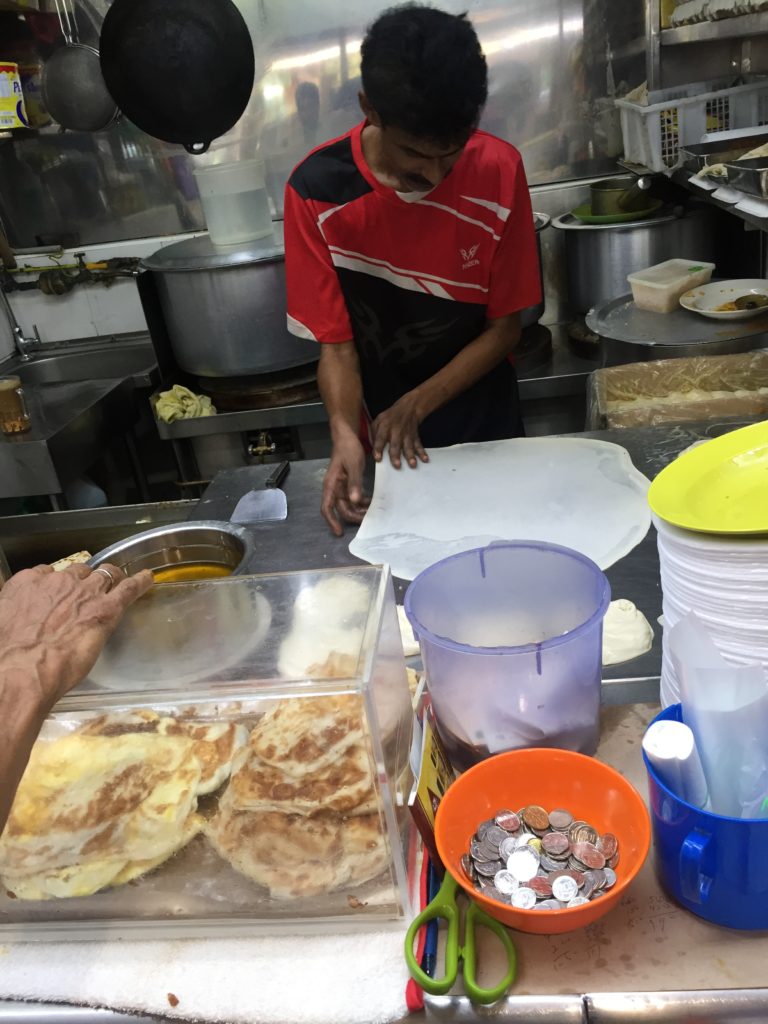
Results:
658 288
259 780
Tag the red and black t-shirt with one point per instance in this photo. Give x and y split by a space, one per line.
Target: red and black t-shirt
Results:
414 277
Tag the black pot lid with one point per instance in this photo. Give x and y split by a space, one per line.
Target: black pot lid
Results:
201 254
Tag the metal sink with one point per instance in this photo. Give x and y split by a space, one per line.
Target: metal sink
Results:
64 366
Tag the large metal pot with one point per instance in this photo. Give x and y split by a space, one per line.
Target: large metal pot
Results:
532 315
224 308
599 257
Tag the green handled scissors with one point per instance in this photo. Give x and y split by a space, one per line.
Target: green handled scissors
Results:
444 905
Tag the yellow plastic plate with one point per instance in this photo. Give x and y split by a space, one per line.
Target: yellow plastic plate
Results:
719 487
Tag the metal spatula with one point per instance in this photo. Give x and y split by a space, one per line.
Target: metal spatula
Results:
265 505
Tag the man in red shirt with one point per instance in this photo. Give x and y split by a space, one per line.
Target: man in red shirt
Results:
410 249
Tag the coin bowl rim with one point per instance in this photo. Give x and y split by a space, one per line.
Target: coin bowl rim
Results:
550 922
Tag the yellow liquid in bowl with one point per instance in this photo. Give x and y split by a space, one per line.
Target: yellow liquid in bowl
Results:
191 572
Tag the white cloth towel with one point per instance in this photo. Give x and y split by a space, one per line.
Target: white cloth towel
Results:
347 978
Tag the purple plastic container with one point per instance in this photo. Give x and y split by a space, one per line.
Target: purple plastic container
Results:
511 637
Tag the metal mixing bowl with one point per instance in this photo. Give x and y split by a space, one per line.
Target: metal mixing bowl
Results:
207 541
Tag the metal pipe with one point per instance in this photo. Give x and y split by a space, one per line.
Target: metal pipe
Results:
24 346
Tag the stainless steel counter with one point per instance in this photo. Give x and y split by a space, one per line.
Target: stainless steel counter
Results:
631 967
77 394
563 374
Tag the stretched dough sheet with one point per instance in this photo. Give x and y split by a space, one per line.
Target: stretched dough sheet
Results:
580 493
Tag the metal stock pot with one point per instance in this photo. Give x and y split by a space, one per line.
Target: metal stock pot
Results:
599 257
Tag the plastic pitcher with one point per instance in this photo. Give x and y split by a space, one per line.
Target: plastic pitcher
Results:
235 201
713 865
511 637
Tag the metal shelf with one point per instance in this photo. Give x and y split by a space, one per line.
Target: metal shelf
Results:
741 27
683 177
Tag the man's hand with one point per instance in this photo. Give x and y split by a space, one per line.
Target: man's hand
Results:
53 626
343 498
398 427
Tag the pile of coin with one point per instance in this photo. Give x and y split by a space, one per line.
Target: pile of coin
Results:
536 860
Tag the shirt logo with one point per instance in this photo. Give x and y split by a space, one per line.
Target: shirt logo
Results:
468 255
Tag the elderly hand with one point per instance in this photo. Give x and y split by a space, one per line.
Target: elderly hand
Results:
53 626
398 427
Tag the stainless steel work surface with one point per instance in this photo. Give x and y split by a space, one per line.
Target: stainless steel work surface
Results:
304 541
621 320
646 960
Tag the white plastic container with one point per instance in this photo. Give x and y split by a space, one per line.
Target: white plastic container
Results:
658 289
235 201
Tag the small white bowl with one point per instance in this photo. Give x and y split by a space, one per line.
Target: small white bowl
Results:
704 299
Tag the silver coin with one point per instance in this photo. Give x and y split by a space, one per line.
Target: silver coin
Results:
577 901
507 848
495 835
549 905
589 887
523 898
610 878
483 827
488 851
523 864
477 852
505 881
549 864
488 868
468 867
599 876
560 820
494 894
525 839
564 888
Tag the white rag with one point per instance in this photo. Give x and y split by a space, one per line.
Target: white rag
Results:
340 978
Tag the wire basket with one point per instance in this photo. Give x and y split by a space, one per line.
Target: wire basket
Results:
655 133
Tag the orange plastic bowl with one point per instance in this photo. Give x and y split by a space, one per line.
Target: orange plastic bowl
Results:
589 789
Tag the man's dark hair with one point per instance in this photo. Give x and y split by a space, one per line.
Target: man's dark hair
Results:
423 72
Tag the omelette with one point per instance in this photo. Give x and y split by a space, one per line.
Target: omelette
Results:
90 807
215 743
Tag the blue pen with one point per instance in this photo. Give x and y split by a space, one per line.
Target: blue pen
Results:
429 959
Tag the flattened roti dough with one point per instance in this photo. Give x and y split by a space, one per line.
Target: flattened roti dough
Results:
578 492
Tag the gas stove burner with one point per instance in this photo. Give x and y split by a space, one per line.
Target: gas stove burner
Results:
262 391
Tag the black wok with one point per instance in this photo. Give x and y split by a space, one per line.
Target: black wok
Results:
181 70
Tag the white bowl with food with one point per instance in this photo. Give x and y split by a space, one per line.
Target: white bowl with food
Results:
728 300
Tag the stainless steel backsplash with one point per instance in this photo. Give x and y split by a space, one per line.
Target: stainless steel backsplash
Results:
553 65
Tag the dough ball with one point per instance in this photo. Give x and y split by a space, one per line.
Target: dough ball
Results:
626 633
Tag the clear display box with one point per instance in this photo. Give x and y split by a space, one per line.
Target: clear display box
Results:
237 760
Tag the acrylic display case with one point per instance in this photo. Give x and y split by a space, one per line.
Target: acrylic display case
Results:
238 759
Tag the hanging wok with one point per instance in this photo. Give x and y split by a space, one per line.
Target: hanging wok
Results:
181 70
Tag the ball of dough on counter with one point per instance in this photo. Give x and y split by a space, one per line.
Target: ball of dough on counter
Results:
626 633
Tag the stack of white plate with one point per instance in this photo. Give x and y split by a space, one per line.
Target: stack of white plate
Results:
724 579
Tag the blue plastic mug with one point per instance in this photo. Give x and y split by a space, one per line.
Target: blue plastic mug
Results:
714 866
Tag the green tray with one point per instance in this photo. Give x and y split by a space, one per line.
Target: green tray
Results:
583 214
